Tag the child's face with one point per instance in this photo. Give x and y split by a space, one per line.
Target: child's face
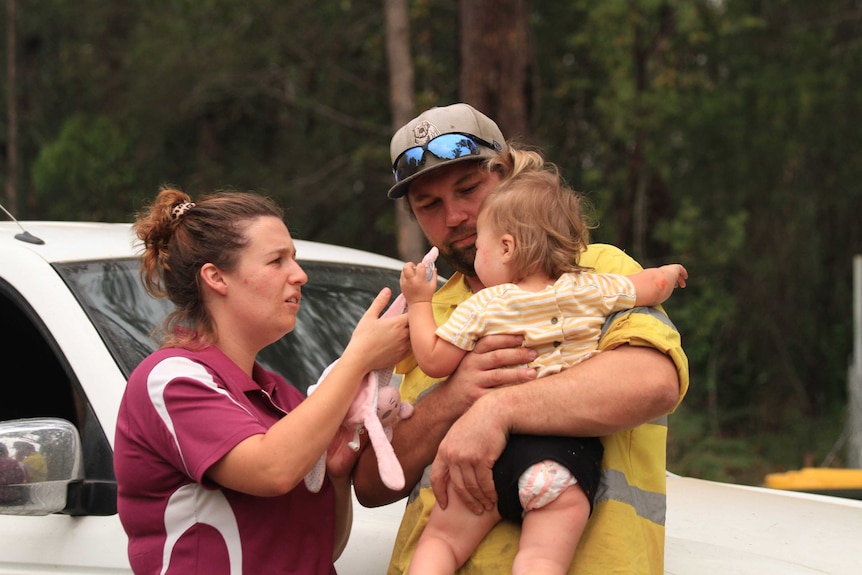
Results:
489 254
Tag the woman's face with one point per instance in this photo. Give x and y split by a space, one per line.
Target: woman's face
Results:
264 291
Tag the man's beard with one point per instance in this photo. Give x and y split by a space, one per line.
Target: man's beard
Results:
461 259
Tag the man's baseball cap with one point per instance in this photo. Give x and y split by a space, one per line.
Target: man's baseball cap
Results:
418 147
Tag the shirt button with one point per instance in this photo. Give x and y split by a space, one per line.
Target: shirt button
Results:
554 320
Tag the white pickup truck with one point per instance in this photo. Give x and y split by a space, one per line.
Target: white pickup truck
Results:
76 321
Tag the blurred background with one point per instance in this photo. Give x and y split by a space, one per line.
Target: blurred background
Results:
720 134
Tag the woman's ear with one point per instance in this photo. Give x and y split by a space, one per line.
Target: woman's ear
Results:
212 278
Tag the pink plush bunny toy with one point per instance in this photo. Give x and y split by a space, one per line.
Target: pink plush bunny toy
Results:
376 407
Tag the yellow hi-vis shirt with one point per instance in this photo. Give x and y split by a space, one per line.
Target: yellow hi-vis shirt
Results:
625 533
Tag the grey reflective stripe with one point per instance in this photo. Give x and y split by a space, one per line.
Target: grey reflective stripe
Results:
641 309
647 504
650 505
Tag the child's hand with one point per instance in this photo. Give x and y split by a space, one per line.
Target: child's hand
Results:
418 282
678 273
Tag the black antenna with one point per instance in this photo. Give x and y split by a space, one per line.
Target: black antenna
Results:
24 236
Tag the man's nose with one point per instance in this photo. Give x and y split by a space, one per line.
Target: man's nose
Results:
456 215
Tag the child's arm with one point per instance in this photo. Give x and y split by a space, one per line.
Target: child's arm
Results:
436 357
654 285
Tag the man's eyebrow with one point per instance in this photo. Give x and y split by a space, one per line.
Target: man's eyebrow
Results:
468 175
465 178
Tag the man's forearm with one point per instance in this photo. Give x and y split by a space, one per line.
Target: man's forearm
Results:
414 441
615 390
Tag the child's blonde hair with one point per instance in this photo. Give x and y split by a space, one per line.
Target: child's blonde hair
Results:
546 219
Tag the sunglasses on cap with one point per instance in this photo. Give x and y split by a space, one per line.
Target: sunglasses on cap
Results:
444 147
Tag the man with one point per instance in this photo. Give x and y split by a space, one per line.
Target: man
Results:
32 461
445 162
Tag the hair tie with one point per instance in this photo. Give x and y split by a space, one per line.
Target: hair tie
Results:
181 209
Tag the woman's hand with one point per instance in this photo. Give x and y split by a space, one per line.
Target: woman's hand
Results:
378 342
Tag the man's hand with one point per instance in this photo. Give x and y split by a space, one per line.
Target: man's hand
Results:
416 439
490 365
466 458
615 390
467 453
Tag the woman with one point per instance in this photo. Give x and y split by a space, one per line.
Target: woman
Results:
211 449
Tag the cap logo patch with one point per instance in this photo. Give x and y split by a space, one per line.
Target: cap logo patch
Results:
424 132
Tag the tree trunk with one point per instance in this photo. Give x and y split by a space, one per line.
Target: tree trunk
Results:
496 56
854 378
11 112
411 242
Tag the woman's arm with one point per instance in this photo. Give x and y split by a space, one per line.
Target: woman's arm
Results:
274 462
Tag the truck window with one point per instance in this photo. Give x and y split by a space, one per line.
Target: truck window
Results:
45 386
31 372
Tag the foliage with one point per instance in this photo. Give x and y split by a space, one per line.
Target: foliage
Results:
717 133
727 116
746 458
86 170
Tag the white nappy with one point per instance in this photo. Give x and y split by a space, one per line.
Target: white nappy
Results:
542 483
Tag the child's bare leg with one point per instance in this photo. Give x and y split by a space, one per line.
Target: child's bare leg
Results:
450 537
550 534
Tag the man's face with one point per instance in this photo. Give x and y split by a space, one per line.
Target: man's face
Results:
446 204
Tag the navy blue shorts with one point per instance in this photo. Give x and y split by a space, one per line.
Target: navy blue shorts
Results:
582 456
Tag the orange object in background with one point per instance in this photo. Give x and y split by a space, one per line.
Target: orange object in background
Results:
822 480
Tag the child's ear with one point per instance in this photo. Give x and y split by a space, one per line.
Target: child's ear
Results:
507 243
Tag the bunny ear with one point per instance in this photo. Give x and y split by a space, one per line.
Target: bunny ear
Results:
387 463
314 478
397 307
320 379
382 377
431 256
429 260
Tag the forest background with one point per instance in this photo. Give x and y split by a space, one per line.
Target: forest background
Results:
723 134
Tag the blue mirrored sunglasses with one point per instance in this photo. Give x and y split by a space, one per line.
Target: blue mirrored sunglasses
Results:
445 147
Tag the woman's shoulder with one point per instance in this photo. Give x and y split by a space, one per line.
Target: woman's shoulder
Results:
181 359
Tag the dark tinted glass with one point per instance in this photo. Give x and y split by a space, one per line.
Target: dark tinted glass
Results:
334 299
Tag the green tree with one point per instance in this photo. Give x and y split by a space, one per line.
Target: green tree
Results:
86 170
718 134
